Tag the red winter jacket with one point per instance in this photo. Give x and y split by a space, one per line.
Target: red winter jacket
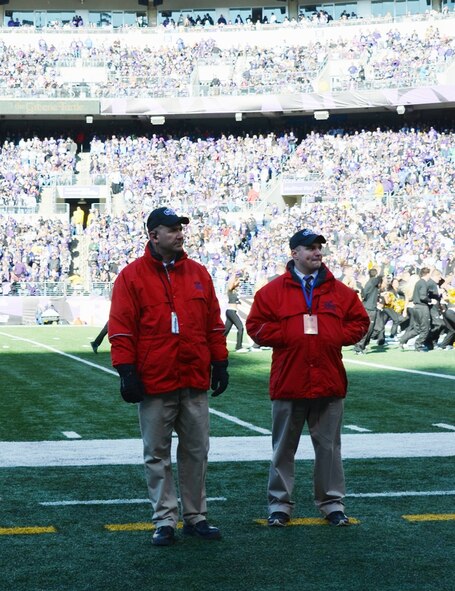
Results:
144 295
304 365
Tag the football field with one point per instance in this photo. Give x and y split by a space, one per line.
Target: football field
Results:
75 514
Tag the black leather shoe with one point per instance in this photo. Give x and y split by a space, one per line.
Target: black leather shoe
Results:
278 519
337 518
94 347
164 536
202 530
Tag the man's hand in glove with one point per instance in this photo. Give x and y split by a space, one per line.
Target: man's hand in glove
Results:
220 377
131 387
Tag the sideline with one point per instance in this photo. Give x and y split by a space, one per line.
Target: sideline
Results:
99 452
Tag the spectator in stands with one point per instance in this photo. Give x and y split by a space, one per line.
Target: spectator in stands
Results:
77 220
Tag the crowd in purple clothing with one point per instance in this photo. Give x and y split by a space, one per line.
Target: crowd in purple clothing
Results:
206 172
30 164
33 252
355 172
397 58
382 198
403 164
126 69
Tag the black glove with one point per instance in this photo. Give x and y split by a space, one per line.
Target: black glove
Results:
220 377
131 387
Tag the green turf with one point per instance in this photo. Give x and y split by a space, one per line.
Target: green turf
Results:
44 394
85 399
384 551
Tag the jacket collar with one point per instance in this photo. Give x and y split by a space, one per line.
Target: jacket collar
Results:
155 258
323 275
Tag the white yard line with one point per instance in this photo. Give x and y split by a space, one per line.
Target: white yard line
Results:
357 429
113 502
100 452
237 421
444 426
402 369
404 493
71 435
68 355
352 361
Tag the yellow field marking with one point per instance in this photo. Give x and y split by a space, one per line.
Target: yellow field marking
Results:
307 521
11 531
134 526
430 517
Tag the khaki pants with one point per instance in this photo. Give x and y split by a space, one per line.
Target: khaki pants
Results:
185 411
324 417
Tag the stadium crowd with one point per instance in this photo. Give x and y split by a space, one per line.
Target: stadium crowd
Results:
125 69
31 163
406 163
384 199
32 253
406 176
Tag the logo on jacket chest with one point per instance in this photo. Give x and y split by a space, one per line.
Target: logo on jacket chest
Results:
329 305
198 286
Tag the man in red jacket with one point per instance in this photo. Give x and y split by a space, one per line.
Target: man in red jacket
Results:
168 346
307 316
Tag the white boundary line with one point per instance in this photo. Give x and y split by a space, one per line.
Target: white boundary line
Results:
252 448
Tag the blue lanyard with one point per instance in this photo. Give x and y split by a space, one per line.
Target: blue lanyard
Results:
308 296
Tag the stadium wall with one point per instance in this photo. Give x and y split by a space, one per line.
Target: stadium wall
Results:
88 310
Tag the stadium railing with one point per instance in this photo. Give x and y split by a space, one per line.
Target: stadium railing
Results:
56 289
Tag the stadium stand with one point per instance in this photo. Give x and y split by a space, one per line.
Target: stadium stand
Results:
383 194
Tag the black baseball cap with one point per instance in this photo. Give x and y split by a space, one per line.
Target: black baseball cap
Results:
305 238
165 216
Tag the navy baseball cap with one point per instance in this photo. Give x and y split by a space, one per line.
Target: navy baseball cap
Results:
165 216
305 238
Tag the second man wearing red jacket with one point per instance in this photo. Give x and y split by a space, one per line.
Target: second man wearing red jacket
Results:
307 316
